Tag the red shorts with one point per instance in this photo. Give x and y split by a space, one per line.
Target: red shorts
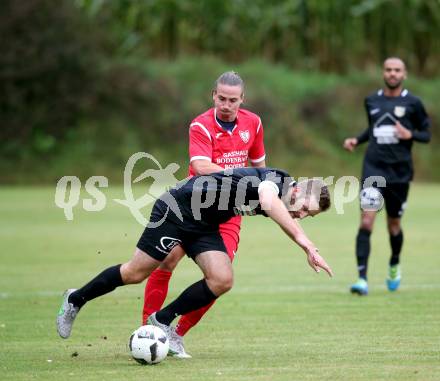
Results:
230 232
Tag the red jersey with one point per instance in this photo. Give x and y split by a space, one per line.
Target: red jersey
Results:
228 149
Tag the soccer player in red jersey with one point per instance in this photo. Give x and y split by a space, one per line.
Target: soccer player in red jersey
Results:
223 137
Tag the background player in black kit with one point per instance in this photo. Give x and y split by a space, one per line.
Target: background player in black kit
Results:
189 215
396 118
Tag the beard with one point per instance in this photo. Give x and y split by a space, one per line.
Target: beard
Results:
392 86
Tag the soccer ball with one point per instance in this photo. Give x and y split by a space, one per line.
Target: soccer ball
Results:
148 345
371 199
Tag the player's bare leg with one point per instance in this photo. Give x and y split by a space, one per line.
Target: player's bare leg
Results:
217 269
134 271
138 268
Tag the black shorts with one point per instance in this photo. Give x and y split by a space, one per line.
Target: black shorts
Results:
395 196
158 239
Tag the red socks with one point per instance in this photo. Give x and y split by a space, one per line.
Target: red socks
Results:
189 320
156 291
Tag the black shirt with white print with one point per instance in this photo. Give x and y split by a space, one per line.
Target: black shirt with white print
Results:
204 202
387 155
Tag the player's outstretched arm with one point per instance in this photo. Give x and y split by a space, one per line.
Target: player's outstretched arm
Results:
278 212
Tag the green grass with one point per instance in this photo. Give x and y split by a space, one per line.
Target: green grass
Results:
281 321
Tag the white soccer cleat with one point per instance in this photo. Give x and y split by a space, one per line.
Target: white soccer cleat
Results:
176 341
153 321
66 315
177 349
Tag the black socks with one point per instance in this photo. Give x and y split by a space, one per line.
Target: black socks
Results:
396 242
363 251
194 297
102 284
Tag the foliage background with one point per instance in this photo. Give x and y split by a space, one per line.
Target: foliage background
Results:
86 83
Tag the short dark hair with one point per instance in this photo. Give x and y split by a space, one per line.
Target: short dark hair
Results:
317 188
230 78
324 198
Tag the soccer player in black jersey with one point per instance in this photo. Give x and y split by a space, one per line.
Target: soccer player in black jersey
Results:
396 119
189 215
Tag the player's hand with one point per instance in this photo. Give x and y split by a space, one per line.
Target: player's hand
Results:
350 144
402 133
316 262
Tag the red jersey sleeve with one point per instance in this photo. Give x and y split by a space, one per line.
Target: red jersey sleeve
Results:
257 152
200 142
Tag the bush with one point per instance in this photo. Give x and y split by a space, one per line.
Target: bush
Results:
48 74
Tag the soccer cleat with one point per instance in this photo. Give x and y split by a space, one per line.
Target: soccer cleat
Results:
166 328
66 315
153 321
360 287
177 349
394 276
176 345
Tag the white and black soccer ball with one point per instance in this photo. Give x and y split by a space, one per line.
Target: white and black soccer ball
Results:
371 199
148 345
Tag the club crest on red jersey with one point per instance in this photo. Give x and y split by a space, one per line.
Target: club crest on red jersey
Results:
245 135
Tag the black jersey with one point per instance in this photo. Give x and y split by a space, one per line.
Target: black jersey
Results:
204 202
387 155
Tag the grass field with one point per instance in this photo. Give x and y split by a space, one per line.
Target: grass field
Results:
281 321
